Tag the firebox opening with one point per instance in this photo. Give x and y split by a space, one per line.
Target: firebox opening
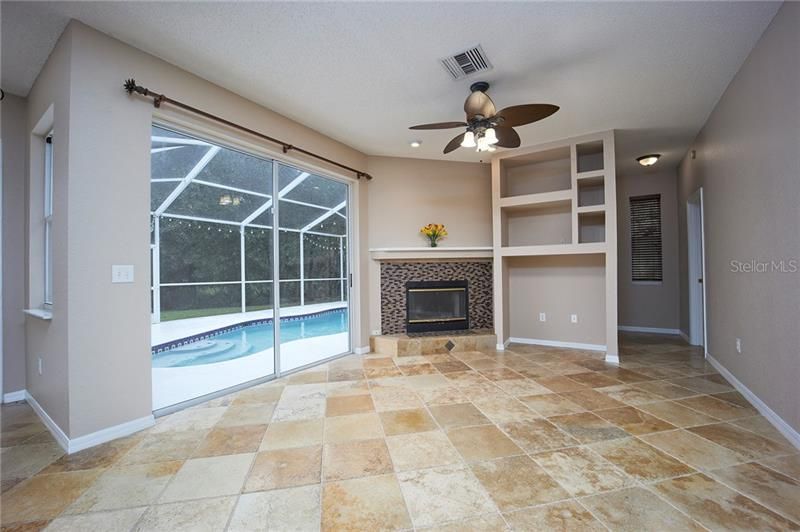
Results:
437 306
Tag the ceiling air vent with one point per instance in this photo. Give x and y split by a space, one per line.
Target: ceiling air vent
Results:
466 63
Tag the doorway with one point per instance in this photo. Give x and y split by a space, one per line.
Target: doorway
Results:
696 256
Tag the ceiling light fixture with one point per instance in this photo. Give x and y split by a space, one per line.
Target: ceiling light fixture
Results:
416 143
648 160
469 140
491 136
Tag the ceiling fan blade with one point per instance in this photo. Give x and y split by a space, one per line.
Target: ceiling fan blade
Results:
440 125
507 137
454 144
479 103
519 115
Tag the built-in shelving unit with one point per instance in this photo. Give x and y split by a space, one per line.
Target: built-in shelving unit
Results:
552 205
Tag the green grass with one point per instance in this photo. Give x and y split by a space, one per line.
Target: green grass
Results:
171 315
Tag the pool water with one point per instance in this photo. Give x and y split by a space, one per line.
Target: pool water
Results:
250 340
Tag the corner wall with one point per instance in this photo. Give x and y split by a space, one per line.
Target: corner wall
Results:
648 305
14 121
747 163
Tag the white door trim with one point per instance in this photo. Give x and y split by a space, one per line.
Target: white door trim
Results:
695 227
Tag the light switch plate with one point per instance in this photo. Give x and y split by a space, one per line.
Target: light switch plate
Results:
122 273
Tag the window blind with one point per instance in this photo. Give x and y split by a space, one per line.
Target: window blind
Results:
646 238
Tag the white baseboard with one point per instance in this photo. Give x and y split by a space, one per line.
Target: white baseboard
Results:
784 428
654 330
684 336
51 425
89 440
555 343
12 397
362 350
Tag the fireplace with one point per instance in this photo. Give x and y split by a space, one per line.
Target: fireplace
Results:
437 306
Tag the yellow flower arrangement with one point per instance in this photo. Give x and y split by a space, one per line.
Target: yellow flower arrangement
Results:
434 232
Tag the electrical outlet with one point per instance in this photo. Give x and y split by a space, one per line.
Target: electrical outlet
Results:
542 316
739 345
39 365
573 318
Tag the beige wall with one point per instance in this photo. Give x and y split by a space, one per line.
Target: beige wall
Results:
747 163
558 286
106 194
48 105
14 121
406 194
409 193
649 304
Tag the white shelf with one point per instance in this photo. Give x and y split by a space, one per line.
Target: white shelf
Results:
593 177
543 199
39 313
427 252
553 249
590 209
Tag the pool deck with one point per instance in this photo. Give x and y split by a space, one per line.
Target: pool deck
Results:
173 330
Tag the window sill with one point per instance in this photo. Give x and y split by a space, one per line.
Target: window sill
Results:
39 313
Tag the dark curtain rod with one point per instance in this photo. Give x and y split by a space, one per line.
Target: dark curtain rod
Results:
158 99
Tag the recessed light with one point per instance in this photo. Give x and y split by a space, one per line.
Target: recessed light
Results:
416 143
648 160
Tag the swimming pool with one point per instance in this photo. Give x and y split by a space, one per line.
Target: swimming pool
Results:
246 339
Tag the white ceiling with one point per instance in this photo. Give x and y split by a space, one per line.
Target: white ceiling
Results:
363 72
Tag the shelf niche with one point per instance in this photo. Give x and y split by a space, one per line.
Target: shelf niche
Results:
591 192
538 225
589 156
591 227
547 171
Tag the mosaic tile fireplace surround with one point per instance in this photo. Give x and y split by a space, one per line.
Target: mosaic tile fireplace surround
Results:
394 275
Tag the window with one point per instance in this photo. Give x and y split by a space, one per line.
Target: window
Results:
48 221
646 238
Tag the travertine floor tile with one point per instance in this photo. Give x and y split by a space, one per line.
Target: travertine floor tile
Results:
111 520
286 509
630 394
505 409
349 404
358 458
693 450
634 421
741 441
678 415
353 427
762 427
636 509
484 523
566 516
641 461
231 440
443 494
517 482
126 487
458 415
421 450
718 408
551 405
560 384
164 447
185 516
581 471
718 507
538 435
24 461
591 399
370 503
788 465
766 486
287 434
247 414
406 421
45 496
586 427
208 477
483 442
285 468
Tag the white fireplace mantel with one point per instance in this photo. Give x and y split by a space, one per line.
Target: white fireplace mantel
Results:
424 252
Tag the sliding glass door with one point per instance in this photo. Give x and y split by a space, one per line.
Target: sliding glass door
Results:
312 239
237 297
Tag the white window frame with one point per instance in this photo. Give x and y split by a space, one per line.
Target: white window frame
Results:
48 221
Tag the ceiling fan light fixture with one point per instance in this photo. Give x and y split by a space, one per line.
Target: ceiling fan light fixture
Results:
491 136
483 144
469 140
649 159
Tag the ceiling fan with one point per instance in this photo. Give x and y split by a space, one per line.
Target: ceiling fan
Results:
488 128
